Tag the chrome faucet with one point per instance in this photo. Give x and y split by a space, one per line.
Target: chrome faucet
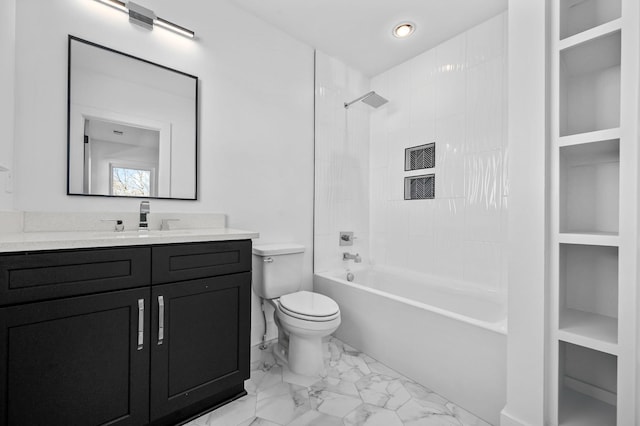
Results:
144 211
355 257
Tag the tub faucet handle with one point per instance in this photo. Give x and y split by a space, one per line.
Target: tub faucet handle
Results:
118 225
346 238
165 224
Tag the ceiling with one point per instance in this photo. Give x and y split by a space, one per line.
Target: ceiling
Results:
358 32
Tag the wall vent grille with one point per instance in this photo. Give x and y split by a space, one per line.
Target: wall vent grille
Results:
420 187
420 157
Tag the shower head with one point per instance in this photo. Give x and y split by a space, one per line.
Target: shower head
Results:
371 99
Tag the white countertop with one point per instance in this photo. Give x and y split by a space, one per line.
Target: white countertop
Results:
28 241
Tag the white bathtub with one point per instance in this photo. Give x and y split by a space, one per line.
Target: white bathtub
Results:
449 337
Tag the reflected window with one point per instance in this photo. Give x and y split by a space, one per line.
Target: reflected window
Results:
131 182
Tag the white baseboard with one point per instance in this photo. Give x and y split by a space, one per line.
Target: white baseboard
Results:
507 419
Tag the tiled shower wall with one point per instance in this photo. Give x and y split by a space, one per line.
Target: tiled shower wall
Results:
453 95
341 163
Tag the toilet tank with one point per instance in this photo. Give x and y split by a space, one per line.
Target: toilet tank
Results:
277 269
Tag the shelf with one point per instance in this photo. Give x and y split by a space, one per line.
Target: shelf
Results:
578 409
590 238
590 187
589 137
590 84
593 55
591 34
588 304
588 382
587 329
579 16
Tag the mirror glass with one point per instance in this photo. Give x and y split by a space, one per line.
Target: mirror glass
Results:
132 126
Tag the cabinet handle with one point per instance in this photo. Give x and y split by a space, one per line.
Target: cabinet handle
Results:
160 319
140 323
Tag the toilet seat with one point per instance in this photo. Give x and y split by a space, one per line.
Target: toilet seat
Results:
306 328
309 306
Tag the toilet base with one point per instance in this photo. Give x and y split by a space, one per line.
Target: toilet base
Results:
308 358
305 355
280 354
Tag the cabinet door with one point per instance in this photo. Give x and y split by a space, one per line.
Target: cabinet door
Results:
203 348
75 361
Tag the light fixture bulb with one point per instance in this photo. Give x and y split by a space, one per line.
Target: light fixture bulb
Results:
173 27
404 30
116 4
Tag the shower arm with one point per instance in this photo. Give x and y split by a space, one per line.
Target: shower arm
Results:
366 95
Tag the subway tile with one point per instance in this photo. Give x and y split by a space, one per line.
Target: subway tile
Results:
485 41
484 106
397 219
483 194
451 55
450 93
450 76
422 68
421 254
448 237
423 111
482 264
421 218
450 148
379 184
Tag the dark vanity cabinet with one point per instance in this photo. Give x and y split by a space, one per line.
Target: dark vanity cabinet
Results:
74 361
200 326
125 335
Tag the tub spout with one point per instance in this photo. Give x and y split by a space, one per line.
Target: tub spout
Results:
355 257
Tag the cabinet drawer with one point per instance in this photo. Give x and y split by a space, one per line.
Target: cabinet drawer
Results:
32 276
182 262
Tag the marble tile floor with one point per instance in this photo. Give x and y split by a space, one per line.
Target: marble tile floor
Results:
354 390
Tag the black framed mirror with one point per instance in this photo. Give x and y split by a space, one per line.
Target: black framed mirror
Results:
132 126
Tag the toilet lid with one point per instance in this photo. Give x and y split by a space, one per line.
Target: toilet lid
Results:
309 304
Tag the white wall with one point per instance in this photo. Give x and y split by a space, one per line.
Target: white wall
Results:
341 163
256 112
527 213
453 95
7 82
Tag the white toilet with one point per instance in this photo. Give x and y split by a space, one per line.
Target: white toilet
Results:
303 317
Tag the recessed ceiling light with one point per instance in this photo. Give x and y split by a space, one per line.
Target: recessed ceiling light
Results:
404 30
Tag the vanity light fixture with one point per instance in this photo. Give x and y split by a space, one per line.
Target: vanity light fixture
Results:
146 18
404 30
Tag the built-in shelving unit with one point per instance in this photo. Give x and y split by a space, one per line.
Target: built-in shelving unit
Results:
592 371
